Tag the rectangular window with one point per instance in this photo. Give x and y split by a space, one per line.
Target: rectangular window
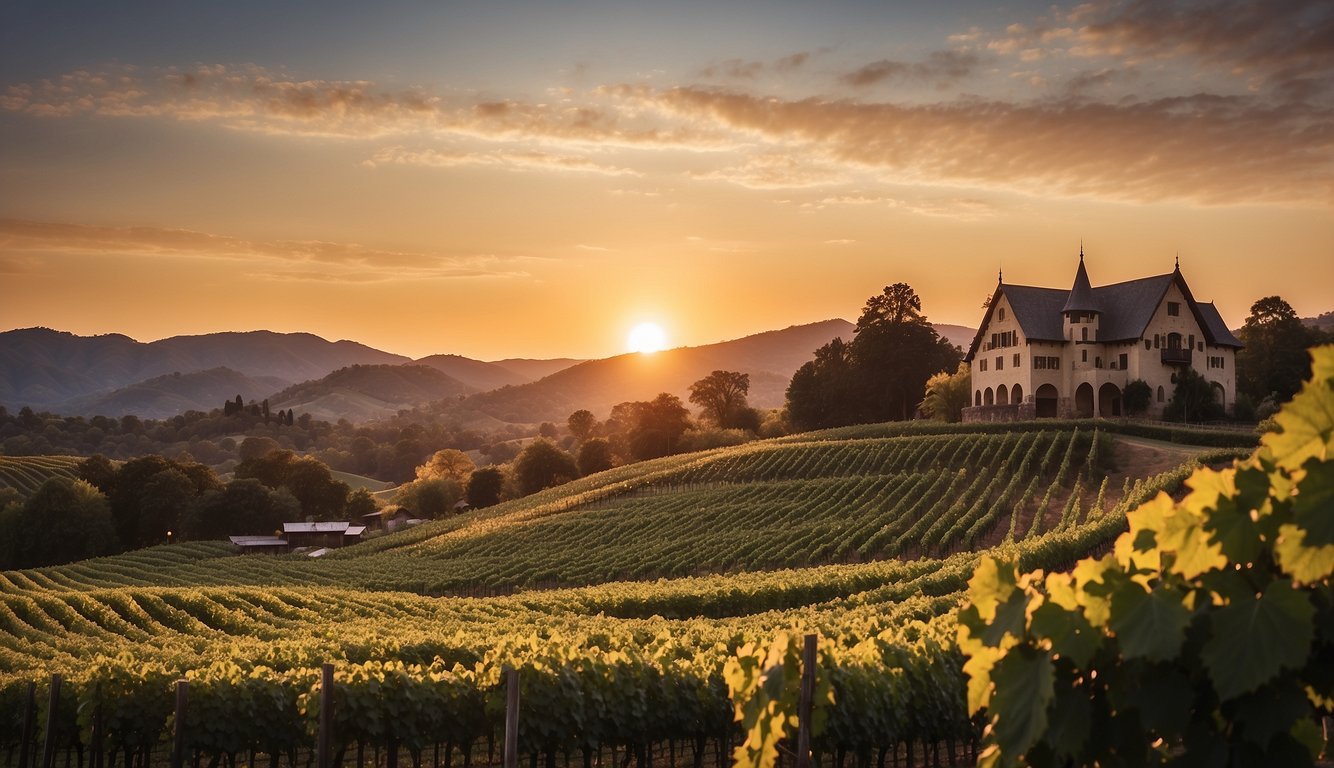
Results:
1016 359
982 364
1125 362
1084 355
1191 343
1054 363
1157 340
1000 362
1201 347
1173 308
1097 362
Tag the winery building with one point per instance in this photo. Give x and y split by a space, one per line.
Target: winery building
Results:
1054 353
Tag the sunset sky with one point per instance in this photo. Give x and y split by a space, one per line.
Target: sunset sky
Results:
504 179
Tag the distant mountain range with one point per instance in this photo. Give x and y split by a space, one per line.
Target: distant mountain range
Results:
114 375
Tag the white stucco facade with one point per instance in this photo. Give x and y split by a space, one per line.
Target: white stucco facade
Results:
1070 354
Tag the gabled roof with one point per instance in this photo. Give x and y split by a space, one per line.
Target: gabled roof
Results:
1125 309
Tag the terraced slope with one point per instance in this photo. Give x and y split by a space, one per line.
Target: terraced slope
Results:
868 542
27 473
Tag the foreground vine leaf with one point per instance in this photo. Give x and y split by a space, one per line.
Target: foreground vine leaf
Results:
1206 638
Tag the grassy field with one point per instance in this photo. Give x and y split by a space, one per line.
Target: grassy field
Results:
632 588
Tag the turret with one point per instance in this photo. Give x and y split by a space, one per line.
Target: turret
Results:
1081 312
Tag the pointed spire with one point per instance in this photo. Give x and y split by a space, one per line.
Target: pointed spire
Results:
1081 294
1178 267
1000 277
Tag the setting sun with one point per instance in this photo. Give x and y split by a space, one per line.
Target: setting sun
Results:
646 338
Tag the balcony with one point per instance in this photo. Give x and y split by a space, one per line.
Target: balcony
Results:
1176 356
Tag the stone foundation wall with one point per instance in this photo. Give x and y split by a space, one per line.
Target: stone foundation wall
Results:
982 414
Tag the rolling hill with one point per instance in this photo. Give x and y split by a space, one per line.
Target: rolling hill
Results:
174 393
476 374
366 392
45 369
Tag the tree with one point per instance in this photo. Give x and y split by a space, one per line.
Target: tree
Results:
1192 399
657 426
895 351
879 376
721 397
542 465
548 430
947 394
449 463
243 507
97 470
360 503
164 497
484 487
257 447
1136 397
1274 361
321 496
431 498
594 456
581 424
63 521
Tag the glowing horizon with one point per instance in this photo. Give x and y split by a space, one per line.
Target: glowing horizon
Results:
514 180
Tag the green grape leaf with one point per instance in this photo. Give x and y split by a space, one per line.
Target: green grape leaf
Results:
1071 635
1322 364
1306 427
1271 710
992 583
1161 693
1024 687
1149 625
1304 564
1070 722
1010 619
1313 506
1256 638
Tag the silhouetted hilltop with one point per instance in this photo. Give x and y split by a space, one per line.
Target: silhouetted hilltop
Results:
365 392
44 368
174 393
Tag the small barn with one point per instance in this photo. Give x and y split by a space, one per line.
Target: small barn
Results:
260 544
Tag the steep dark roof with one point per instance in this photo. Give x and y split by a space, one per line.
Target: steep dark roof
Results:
1128 307
1081 294
1125 309
1215 327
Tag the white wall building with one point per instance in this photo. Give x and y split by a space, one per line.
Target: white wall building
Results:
1047 352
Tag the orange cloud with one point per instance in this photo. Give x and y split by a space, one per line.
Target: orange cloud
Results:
300 260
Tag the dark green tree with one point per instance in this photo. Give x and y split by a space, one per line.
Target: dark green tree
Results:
542 465
1274 361
895 351
63 521
359 504
244 507
721 397
484 487
657 426
1192 399
594 456
1136 397
824 392
97 470
430 499
581 424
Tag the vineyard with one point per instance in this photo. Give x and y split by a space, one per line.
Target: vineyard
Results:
656 578
26 474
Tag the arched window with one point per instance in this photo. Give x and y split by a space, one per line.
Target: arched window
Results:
1002 395
977 399
1017 394
1160 393
988 397
1002 313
